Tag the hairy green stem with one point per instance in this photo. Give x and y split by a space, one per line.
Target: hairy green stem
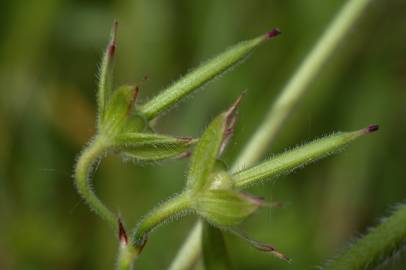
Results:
84 167
378 246
297 85
280 110
159 214
127 254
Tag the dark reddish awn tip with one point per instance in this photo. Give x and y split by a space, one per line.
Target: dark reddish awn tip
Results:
373 128
131 105
136 90
112 49
275 32
122 234
112 46
235 105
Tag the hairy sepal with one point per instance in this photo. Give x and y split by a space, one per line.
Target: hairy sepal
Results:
203 74
298 157
209 148
225 208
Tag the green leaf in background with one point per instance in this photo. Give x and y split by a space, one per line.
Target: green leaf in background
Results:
378 246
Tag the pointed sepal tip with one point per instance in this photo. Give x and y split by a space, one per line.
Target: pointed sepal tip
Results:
372 128
122 234
273 33
113 41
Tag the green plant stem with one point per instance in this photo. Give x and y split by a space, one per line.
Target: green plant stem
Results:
84 167
298 84
158 215
127 254
381 243
281 109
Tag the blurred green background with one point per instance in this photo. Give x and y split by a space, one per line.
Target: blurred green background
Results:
49 52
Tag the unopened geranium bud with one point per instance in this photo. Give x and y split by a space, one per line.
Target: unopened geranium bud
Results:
209 148
119 114
225 208
220 178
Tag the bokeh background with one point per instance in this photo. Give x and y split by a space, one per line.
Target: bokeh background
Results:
49 52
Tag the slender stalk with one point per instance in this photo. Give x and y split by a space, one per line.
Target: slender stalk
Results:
84 168
297 86
280 110
159 214
127 255
375 248
129 250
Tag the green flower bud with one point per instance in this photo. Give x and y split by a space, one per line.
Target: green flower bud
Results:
125 129
220 178
120 115
209 148
225 208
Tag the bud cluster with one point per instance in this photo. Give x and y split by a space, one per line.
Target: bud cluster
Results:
211 190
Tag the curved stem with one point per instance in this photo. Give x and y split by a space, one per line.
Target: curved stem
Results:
129 251
156 216
84 167
127 254
379 245
284 105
